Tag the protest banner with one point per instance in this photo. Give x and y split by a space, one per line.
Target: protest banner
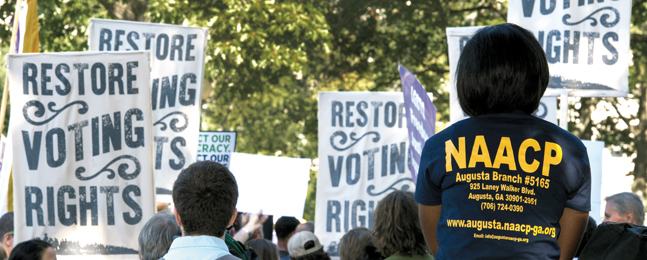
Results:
595 31
216 146
82 154
457 37
421 117
177 61
276 185
363 144
595 150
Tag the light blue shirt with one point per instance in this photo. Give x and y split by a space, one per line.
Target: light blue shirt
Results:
197 248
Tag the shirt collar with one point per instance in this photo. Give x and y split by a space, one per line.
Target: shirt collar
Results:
199 241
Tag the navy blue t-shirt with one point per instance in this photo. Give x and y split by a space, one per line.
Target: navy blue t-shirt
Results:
503 181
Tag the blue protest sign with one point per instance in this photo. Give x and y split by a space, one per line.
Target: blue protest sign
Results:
421 117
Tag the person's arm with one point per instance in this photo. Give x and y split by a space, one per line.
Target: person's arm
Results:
573 223
429 216
254 223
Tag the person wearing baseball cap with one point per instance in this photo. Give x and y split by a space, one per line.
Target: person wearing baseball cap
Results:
305 245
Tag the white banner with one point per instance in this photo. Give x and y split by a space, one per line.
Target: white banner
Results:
457 37
216 146
177 61
82 154
363 155
595 150
277 185
586 43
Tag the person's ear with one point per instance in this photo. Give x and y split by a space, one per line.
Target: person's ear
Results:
7 240
629 216
177 217
140 254
233 218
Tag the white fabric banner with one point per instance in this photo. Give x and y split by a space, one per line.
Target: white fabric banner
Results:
216 146
586 43
82 154
177 61
363 156
457 37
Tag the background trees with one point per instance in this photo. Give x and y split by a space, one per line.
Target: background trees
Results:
267 60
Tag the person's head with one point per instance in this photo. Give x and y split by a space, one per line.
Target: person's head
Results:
34 249
285 227
6 231
502 68
396 226
305 245
264 249
356 245
156 236
624 207
308 226
205 196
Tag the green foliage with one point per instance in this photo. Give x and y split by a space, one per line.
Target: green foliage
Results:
268 59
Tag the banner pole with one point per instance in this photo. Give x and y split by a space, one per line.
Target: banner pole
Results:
563 110
5 94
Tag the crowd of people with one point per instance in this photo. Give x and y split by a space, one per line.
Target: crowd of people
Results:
502 74
204 220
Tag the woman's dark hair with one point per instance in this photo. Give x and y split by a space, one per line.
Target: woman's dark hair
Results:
29 250
502 69
263 249
397 228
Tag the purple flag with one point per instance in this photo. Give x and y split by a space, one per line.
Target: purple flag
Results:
421 117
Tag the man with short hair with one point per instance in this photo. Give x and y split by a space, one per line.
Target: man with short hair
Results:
156 236
624 207
285 227
205 196
6 232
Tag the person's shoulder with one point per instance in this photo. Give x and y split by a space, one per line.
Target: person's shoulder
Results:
450 131
564 137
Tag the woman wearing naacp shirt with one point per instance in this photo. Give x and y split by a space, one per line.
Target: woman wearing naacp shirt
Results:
503 184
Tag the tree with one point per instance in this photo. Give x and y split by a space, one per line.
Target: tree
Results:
624 129
268 59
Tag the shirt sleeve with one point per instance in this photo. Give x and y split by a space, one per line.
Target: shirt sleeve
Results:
427 192
580 198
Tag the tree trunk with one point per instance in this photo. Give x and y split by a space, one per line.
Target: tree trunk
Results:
640 141
583 129
134 10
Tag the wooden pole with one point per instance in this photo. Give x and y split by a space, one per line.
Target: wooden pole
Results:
5 94
12 48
